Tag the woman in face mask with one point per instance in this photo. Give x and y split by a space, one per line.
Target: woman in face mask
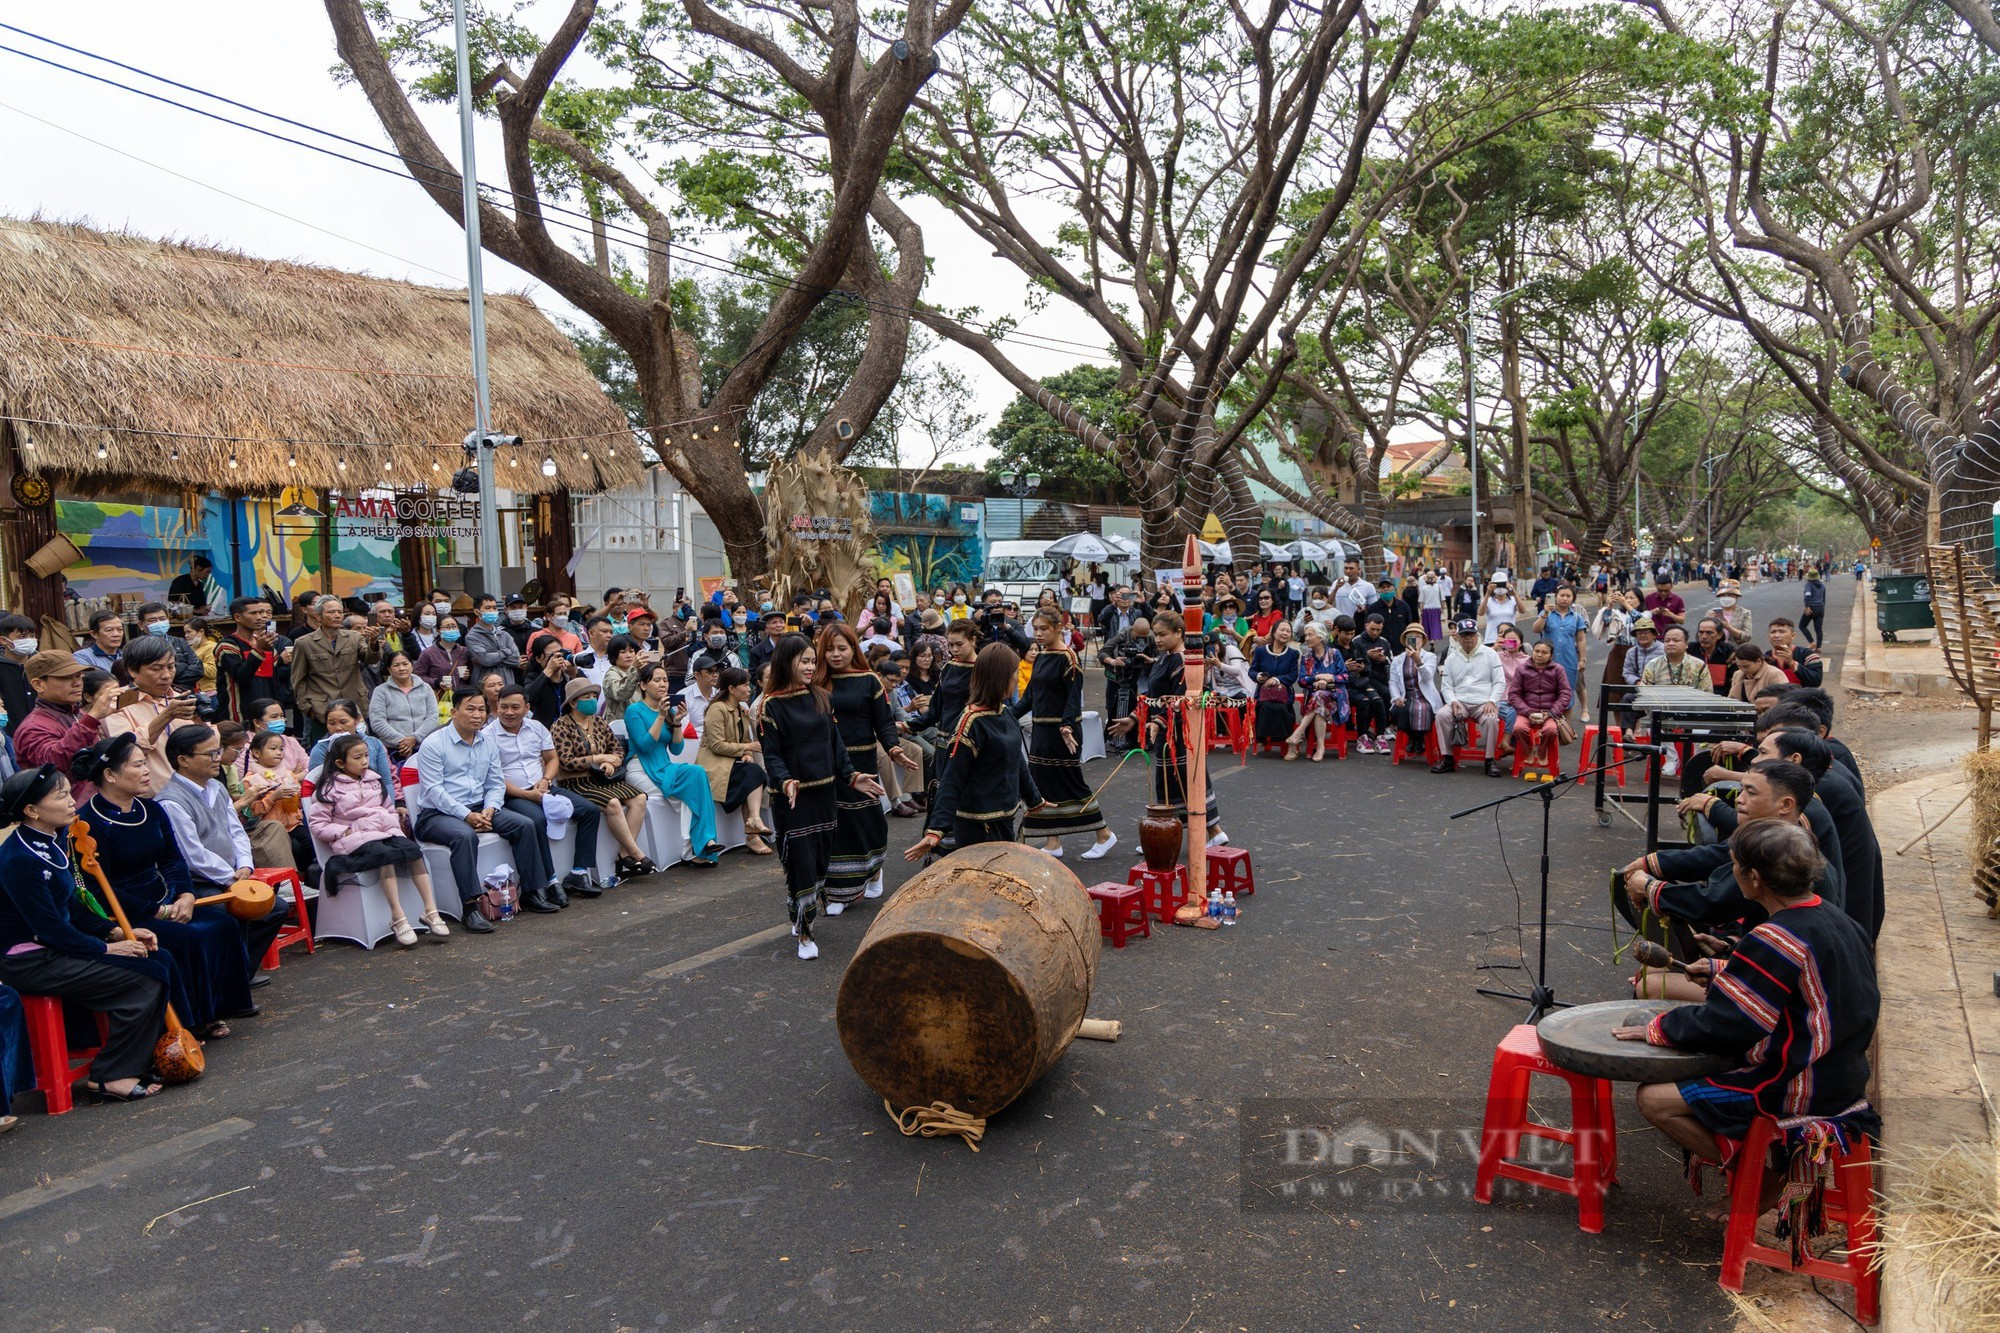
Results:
591 762
1733 615
442 665
959 608
268 716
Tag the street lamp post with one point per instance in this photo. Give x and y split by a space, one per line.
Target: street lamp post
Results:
1019 485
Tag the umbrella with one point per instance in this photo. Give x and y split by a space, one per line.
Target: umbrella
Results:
1267 551
1121 547
1214 553
1304 550
1079 546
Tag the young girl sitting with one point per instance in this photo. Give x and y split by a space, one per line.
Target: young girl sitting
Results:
356 816
274 792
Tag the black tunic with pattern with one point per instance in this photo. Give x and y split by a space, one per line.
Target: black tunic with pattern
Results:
868 728
947 706
985 784
801 742
1167 737
1053 703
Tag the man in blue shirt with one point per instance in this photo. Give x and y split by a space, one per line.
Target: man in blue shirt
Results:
1561 627
464 791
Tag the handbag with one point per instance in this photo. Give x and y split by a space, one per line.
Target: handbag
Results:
1564 731
1272 692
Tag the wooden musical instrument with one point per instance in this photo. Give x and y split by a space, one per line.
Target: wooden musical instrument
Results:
1648 954
178 1057
246 899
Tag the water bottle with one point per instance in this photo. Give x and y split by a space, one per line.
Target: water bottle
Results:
1229 909
1215 904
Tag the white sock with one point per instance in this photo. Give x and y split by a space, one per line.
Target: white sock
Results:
1055 851
835 909
874 887
1098 849
808 950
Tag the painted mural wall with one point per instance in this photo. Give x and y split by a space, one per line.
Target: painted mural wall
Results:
930 537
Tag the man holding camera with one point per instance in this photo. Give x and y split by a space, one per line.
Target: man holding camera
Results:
1000 622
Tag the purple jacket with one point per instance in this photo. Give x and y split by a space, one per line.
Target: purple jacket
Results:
1539 690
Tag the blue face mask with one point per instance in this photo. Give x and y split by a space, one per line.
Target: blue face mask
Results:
157 627
449 636
3 719
489 617
276 726
587 707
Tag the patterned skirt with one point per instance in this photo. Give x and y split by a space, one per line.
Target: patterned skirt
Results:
860 836
599 790
1071 806
805 845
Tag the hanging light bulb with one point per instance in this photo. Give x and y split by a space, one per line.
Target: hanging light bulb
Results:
27 440
513 462
586 453
232 462
173 453
549 465
609 452
102 452
341 464
435 467
293 460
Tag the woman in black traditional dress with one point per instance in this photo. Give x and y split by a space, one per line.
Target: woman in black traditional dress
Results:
142 862
868 727
1166 729
1053 703
986 780
807 762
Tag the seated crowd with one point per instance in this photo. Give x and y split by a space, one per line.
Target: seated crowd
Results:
326 758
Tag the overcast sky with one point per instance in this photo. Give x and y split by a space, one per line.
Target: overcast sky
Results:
190 178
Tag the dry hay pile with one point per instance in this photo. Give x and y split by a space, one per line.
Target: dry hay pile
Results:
816 523
1941 1225
1982 773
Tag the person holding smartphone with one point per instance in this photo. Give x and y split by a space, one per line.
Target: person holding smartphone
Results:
152 708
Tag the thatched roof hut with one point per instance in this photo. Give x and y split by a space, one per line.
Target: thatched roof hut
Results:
177 358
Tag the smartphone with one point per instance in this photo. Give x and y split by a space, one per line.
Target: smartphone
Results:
126 698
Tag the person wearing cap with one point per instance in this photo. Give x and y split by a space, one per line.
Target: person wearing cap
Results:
773 629
1734 617
642 627
140 853
1397 614
58 725
1646 648
1665 604
52 944
464 793
700 689
1472 683
1414 701
1501 607
591 761
1812 619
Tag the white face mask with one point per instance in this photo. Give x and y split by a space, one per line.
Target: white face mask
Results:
517 614
1319 603
428 621
27 647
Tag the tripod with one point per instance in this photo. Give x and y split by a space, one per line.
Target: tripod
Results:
1541 996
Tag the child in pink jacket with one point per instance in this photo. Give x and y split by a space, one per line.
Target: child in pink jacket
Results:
353 814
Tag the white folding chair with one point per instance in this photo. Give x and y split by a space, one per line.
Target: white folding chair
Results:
360 912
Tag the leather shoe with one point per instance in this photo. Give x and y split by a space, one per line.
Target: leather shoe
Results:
554 893
261 979
579 883
1448 764
1493 769
475 921
535 902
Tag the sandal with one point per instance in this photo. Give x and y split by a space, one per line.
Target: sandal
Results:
756 846
216 1030
763 830
1291 751
138 1092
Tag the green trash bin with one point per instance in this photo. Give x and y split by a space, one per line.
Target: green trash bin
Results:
1902 601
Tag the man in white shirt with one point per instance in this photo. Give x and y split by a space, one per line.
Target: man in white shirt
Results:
699 690
458 777
1352 594
528 766
1472 682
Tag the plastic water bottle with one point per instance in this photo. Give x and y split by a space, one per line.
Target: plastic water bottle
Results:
1229 909
1215 904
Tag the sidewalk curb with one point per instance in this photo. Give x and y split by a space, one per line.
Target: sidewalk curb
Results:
1862 665
1939 1024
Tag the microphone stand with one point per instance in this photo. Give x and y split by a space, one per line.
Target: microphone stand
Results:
1541 996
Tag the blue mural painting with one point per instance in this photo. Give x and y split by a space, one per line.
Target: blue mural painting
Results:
934 538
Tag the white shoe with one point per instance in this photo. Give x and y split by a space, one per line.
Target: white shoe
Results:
874 889
808 950
1055 851
439 930
1219 840
835 909
406 936
1099 849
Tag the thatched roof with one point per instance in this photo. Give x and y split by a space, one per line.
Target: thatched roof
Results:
109 330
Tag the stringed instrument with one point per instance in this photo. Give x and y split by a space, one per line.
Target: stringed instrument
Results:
178 1056
246 899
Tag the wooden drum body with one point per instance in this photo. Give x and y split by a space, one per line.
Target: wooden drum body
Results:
972 980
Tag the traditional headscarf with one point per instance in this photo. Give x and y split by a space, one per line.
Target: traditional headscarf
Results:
24 789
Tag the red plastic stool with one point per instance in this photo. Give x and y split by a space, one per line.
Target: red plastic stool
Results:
1593 1136
1615 752
1850 1201
1521 757
57 1068
1121 912
1401 750
1161 891
297 931
1229 871
1338 738
1226 728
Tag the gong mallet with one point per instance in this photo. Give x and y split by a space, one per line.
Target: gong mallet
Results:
1649 953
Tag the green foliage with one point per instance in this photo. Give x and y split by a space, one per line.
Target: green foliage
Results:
1027 439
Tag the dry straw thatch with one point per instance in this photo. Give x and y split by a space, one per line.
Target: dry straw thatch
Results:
1982 773
231 346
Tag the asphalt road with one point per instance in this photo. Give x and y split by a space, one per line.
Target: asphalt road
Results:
558 1127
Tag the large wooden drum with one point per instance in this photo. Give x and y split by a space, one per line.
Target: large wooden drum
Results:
971 981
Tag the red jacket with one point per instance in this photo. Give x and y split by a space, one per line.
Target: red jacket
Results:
51 735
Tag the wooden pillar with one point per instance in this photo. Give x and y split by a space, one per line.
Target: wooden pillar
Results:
555 542
40 597
414 555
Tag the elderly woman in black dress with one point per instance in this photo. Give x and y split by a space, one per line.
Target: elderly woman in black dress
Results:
53 943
